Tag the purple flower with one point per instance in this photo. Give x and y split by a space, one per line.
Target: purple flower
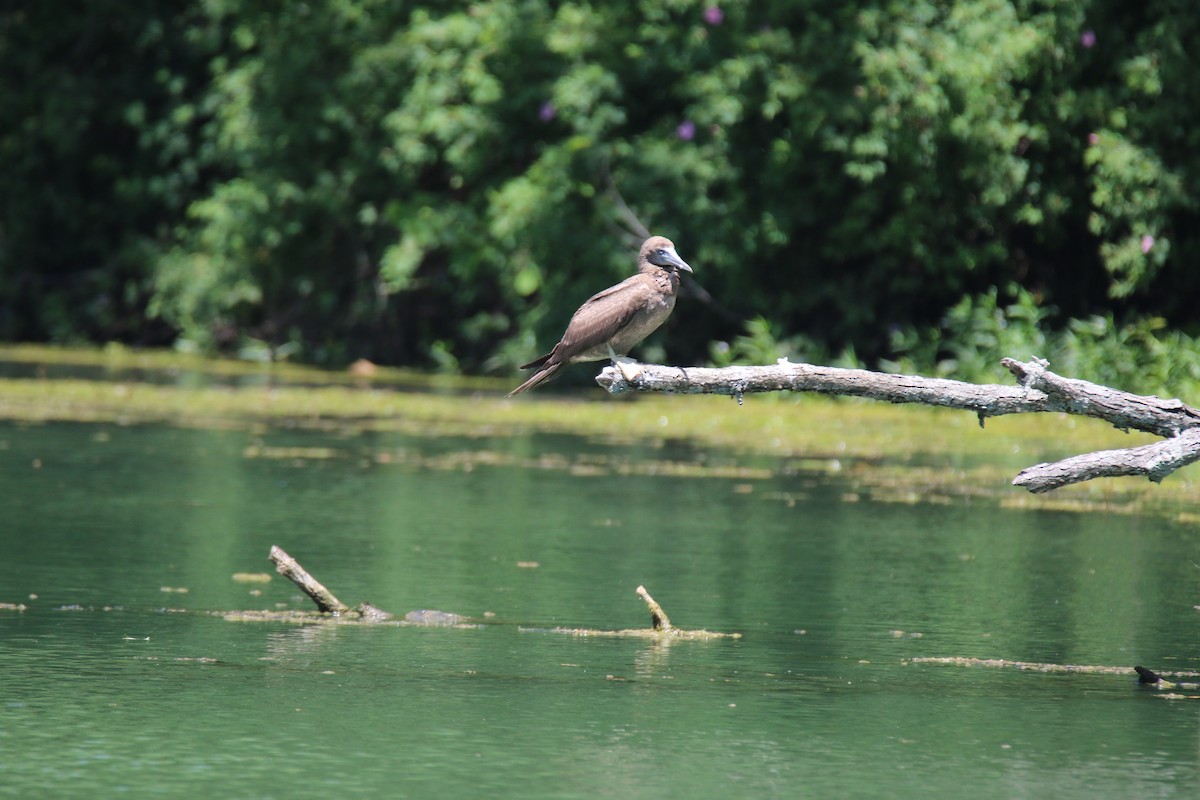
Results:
1088 39
1093 139
547 112
686 130
713 15
1147 243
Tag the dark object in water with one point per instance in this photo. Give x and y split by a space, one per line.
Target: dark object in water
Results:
1146 676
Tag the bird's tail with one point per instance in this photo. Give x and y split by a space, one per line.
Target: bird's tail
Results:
537 362
538 378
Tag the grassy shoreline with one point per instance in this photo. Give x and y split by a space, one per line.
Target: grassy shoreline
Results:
899 453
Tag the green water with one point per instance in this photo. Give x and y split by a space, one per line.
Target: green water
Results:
110 686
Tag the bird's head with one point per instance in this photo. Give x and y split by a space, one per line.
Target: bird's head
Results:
660 251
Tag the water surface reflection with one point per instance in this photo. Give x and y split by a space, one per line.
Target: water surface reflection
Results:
834 594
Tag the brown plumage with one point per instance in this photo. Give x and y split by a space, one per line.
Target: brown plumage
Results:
610 323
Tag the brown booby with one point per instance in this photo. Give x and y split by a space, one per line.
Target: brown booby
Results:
610 323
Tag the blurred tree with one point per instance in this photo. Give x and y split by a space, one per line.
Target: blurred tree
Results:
97 160
437 184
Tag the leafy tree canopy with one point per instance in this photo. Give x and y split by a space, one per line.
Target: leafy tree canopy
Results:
441 184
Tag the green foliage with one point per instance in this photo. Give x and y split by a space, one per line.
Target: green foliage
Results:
972 338
1142 356
97 160
441 184
1143 149
1131 195
762 343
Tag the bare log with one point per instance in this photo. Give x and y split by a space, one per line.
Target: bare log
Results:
1039 390
784 376
328 604
288 567
1030 666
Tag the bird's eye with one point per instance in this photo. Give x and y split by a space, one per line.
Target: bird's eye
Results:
662 252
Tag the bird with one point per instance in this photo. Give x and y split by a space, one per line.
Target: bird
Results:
611 322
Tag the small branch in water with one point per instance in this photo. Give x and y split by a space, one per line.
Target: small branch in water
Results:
290 568
658 617
328 604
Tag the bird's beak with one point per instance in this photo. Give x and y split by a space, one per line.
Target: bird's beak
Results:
674 260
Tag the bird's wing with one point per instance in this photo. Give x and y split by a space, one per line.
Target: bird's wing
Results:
603 315
589 324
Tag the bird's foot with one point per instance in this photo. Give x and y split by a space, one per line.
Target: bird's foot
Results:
630 368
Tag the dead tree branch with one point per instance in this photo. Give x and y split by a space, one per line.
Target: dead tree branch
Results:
658 618
290 568
1155 461
1038 390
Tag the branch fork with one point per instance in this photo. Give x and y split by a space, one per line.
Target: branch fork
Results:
1037 390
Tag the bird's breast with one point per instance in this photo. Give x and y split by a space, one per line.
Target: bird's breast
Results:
643 323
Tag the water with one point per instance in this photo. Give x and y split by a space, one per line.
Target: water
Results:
112 686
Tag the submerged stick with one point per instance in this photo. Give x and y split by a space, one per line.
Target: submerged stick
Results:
662 631
288 567
1144 675
658 617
